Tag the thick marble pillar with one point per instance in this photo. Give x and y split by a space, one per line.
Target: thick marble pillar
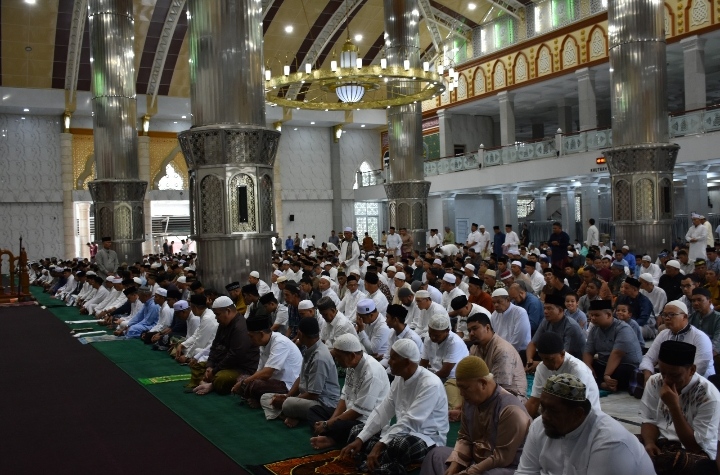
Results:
642 160
590 202
568 209
82 211
144 164
448 213
694 72
587 101
336 179
117 192
605 202
540 212
696 190
565 117
507 118
66 170
508 200
447 144
407 190
229 150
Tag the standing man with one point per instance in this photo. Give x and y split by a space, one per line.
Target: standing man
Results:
407 243
474 238
559 242
498 241
593 235
334 238
349 251
449 237
434 240
511 241
106 259
485 248
696 237
393 243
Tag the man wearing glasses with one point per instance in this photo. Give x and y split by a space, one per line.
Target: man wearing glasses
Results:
678 328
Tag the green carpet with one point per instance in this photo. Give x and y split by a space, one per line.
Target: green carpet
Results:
242 433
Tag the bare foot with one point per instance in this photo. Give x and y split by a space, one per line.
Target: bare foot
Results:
290 422
321 442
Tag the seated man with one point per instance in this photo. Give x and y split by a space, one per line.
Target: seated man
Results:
704 317
464 309
617 348
555 360
317 384
145 319
395 319
680 413
419 405
165 316
352 296
279 365
231 353
366 386
278 313
202 337
493 427
372 330
510 321
441 352
336 323
678 328
555 321
572 438
427 308
505 363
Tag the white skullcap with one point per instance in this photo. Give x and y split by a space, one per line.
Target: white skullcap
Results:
406 348
161 292
109 278
570 254
281 279
400 275
286 261
278 273
306 305
646 277
627 248
182 280
695 216
354 270
439 321
180 305
223 302
500 293
255 274
673 263
347 230
138 281
676 303
366 306
449 278
438 262
516 263
326 277
157 265
647 258
348 342
90 273
422 294
117 280
470 267
391 269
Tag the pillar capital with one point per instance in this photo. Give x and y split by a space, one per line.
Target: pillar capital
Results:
696 169
505 97
585 74
443 113
693 43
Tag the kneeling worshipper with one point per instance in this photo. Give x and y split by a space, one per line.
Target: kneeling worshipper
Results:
616 346
555 360
203 336
572 438
418 402
493 427
184 323
103 295
144 320
278 367
129 309
317 384
510 321
372 329
442 351
680 413
395 318
336 323
366 386
231 354
678 328
165 318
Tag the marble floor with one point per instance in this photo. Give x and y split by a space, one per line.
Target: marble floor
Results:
623 407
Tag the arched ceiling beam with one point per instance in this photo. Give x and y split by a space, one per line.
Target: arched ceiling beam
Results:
72 67
175 9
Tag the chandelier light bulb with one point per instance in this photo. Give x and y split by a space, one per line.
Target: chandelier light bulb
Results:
426 66
383 63
333 66
268 74
406 64
286 70
308 68
358 63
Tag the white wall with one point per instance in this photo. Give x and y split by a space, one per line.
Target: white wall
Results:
30 186
356 146
478 209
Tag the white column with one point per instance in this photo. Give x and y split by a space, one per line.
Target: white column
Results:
586 99
144 175
507 120
448 213
565 116
509 199
696 190
277 191
66 167
83 218
540 213
590 202
694 69
567 208
447 144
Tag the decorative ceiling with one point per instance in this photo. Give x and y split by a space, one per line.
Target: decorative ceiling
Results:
45 43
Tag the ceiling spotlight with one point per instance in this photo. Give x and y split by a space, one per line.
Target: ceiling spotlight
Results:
471 6
175 122
295 128
184 117
362 125
31 2
26 110
312 123
289 29
358 37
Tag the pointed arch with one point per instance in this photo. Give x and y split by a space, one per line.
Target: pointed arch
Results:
88 172
169 158
499 75
478 83
543 61
570 53
596 43
521 68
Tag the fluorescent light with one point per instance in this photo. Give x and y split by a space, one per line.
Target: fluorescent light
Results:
289 29
471 6
26 110
268 74
358 37
358 63
312 123
286 70
30 2
308 68
175 122
23 118
362 125
383 63
184 117
295 128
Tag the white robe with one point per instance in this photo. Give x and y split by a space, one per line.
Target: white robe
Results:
697 248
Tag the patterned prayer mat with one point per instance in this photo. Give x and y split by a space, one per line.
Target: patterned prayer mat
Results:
95 338
327 463
164 379
19 304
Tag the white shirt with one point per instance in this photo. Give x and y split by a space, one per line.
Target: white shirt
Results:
408 334
365 387
374 337
435 294
599 446
710 237
100 295
434 241
282 355
339 326
348 305
462 321
485 241
114 294
657 297
537 281
193 322
420 323
203 336
380 300
333 296
697 249
652 269
513 326
511 243
452 350
394 241
262 288
450 250
118 302
574 366
447 298
474 241
593 236
700 403
703 355
354 260
165 319
419 405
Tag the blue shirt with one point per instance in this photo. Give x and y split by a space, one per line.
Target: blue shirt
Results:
289 243
630 258
498 241
534 308
640 306
149 308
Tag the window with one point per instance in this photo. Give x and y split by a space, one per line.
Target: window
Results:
525 208
367 219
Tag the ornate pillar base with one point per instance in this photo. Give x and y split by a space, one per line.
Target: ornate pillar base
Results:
119 214
232 211
407 208
642 195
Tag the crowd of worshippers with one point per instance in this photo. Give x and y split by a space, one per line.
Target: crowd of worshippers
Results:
422 340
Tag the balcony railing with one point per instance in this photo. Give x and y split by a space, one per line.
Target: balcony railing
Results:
688 123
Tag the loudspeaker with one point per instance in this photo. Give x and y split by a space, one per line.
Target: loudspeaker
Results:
292 217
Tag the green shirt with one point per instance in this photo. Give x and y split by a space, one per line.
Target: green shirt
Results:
449 238
710 325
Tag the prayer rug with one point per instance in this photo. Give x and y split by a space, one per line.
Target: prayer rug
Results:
18 304
327 463
92 339
164 379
